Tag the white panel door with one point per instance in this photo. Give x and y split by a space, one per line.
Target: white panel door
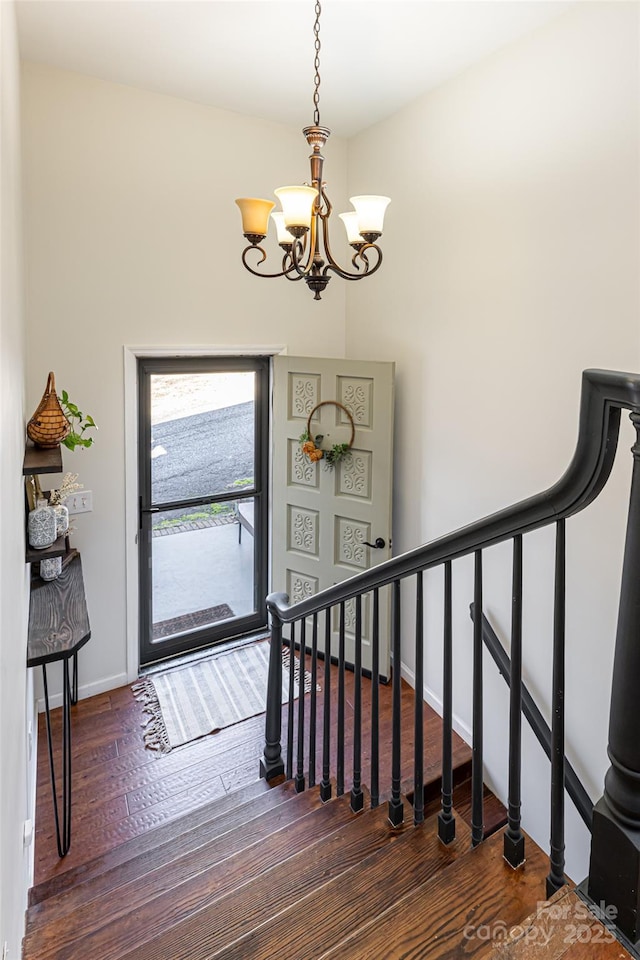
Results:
323 516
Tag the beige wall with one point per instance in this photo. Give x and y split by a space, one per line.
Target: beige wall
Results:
511 264
132 237
16 688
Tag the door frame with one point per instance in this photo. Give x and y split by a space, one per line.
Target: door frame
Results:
131 353
243 624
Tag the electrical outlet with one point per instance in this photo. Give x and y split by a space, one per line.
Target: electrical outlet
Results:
80 502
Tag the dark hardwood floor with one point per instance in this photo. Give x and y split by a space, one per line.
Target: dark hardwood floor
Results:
122 790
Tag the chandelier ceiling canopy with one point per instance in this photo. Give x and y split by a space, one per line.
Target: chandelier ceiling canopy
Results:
302 225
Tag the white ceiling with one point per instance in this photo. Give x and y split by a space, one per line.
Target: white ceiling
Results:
256 56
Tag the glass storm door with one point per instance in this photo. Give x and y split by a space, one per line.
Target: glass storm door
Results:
203 469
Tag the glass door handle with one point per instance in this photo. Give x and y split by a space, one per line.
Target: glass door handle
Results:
380 544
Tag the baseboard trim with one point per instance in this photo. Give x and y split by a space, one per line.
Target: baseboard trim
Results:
87 690
434 701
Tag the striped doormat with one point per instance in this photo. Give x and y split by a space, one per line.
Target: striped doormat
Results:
190 702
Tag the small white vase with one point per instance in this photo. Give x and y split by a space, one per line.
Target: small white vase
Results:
51 569
41 526
62 519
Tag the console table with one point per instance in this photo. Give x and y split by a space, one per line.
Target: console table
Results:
58 628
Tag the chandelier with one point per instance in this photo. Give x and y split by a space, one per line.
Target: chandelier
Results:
302 226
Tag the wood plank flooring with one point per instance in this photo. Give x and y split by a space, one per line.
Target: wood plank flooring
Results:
160 871
121 790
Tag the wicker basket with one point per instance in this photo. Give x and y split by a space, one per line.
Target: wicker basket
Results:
48 426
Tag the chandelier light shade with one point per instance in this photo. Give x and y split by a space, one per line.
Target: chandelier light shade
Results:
302 226
255 215
370 214
297 207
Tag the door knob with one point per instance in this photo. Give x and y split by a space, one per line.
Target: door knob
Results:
378 545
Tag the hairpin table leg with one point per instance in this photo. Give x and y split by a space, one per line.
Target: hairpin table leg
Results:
74 683
63 831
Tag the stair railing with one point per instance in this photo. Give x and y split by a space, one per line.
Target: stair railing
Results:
532 714
615 850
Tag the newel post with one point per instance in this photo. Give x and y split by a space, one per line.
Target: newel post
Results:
271 764
614 871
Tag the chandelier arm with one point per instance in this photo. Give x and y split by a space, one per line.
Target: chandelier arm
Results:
360 254
332 263
269 276
290 272
355 265
328 208
305 270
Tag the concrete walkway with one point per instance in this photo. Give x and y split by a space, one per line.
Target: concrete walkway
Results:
197 569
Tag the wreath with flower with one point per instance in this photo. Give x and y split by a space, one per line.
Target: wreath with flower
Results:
311 446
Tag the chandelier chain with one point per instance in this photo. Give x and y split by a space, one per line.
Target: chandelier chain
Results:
316 63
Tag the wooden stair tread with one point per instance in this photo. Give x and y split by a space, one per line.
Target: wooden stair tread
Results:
561 928
175 888
494 812
135 913
479 889
163 834
330 887
212 840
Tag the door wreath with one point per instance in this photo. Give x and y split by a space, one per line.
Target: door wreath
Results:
311 447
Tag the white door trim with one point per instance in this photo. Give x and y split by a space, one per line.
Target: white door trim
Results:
130 361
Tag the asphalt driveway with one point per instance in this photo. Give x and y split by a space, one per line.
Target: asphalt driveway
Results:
202 455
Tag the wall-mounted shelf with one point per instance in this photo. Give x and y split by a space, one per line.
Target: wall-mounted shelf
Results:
57 549
37 460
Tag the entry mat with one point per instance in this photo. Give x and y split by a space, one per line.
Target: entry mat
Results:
191 702
190 621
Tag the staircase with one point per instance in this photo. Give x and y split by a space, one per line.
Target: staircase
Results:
305 870
268 872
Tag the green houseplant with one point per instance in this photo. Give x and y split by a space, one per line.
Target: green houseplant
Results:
79 424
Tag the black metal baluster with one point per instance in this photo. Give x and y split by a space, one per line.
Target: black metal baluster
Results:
325 785
396 807
313 702
301 706
477 785
375 700
271 764
556 879
357 796
340 763
418 761
290 714
514 837
446 820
